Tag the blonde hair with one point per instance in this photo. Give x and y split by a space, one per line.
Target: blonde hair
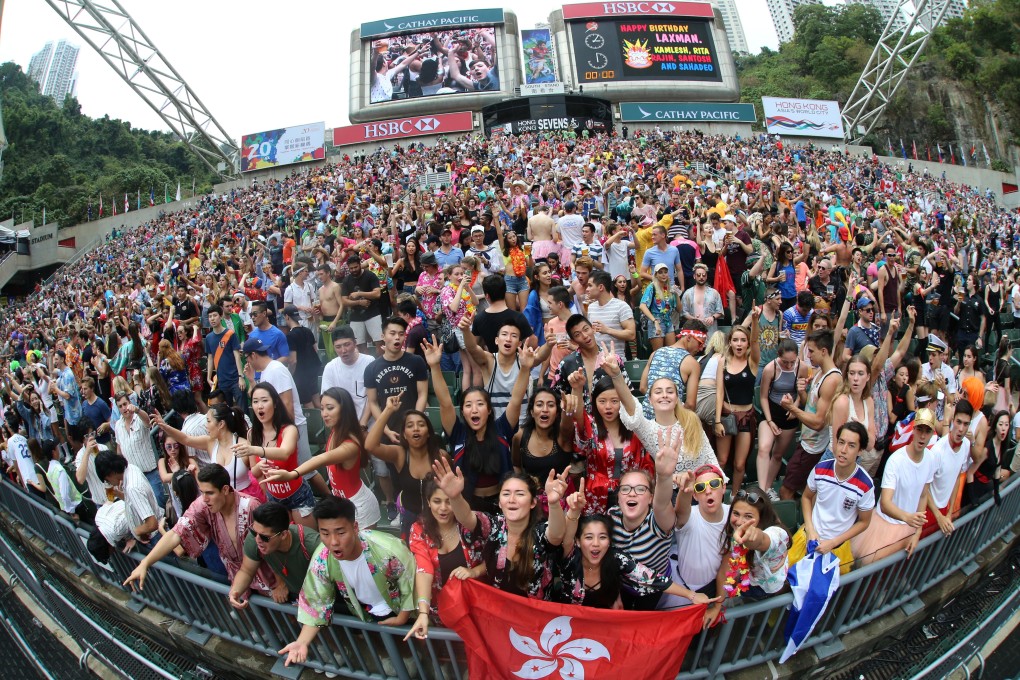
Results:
729 337
716 343
689 421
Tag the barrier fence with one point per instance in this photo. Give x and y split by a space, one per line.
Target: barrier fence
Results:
751 635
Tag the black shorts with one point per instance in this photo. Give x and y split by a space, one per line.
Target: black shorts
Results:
938 318
782 418
799 468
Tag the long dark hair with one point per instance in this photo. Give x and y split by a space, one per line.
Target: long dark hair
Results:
522 568
609 569
416 259
231 416
529 424
481 456
137 346
428 520
767 517
432 445
347 425
281 418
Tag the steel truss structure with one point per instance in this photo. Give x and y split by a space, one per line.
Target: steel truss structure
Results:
110 30
894 55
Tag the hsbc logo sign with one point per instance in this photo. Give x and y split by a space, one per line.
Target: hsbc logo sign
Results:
403 127
585 10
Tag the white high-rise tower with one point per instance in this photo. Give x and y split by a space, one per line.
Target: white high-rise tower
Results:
53 67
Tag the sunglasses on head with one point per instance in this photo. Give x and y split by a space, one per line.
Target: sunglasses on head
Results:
714 483
751 497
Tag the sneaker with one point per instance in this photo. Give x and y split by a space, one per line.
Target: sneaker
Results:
391 513
773 496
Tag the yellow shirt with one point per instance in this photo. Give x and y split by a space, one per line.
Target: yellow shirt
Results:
642 242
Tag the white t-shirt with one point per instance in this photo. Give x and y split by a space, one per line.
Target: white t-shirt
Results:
907 479
948 466
277 375
360 580
612 314
349 378
194 426
698 541
838 501
1014 295
97 489
17 451
570 230
616 259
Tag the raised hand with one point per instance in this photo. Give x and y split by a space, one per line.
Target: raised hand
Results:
528 357
669 452
576 501
556 485
576 379
610 362
685 482
449 480
465 321
569 405
394 401
433 351
745 532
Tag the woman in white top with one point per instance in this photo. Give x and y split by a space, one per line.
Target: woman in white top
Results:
671 418
224 425
714 349
855 403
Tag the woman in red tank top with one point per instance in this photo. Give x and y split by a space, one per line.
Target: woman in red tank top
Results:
344 457
273 442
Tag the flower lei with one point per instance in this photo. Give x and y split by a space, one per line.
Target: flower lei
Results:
738 576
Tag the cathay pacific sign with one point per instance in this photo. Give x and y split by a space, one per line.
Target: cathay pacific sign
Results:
427 22
645 112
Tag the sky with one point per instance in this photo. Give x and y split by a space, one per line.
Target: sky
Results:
254 66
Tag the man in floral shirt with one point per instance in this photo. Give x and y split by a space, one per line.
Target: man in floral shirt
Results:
373 571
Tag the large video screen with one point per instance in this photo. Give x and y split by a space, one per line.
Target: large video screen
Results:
644 48
433 63
284 146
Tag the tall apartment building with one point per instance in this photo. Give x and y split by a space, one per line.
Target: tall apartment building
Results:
782 16
53 67
734 29
888 9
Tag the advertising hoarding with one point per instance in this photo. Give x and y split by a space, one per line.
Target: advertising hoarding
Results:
433 63
429 22
415 126
802 117
539 56
682 112
644 48
587 10
285 146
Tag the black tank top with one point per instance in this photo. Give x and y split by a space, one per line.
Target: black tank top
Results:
739 386
994 300
411 490
539 466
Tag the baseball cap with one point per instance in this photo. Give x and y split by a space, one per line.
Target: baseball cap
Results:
477 228
661 265
925 417
569 205
865 301
256 344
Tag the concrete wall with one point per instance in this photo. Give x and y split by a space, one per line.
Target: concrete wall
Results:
729 129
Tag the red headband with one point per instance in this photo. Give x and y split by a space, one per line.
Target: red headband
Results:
691 333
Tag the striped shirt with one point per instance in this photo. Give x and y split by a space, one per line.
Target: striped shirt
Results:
135 444
139 500
194 426
648 544
839 501
96 486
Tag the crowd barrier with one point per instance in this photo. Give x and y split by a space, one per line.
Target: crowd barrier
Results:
751 635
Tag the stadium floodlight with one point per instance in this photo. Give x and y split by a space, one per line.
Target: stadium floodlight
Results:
895 53
110 30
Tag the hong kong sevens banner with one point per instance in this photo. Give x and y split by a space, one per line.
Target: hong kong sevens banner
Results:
273 148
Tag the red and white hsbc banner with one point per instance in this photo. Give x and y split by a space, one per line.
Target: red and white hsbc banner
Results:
397 128
587 10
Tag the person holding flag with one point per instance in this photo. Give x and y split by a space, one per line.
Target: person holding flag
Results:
838 501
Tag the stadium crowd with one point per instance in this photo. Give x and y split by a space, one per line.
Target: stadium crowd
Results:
618 373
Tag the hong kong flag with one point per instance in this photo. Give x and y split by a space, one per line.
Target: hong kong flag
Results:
509 637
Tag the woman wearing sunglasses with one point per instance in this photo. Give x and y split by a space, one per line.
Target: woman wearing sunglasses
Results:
754 549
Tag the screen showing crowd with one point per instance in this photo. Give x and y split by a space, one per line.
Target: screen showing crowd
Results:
434 63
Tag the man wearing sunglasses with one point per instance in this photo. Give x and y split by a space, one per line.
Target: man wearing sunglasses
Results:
695 556
287 549
865 332
220 515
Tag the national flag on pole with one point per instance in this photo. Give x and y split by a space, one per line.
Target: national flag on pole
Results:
166 193
192 187
929 154
44 215
152 196
973 152
509 637
813 582
127 204
942 159
963 156
952 155
903 434
988 161
903 149
89 214
889 140
178 191
138 199
100 206
913 145
113 202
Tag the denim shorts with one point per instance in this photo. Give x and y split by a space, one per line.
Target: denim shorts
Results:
665 326
516 284
302 500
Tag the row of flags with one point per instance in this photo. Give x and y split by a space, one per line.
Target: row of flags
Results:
127 201
941 155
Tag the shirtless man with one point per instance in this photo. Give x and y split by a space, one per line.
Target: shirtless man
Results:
330 308
543 234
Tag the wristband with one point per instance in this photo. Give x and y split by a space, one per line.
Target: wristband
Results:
422 599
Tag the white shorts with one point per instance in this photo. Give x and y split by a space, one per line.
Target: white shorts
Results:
367 507
367 331
380 468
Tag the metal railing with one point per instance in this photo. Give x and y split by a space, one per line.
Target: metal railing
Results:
752 634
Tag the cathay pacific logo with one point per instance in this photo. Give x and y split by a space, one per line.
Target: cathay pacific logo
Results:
389 27
644 114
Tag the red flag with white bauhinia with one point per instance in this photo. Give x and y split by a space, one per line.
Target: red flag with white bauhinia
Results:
100 205
509 637
127 204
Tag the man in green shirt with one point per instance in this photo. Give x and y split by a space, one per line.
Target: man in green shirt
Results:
371 570
286 548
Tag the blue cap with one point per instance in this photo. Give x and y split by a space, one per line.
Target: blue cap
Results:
864 302
255 345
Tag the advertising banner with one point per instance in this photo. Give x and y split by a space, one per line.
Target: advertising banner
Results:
434 21
542 88
575 124
646 112
539 56
433 63
273 148
802 117
415 126
588 10
644 48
